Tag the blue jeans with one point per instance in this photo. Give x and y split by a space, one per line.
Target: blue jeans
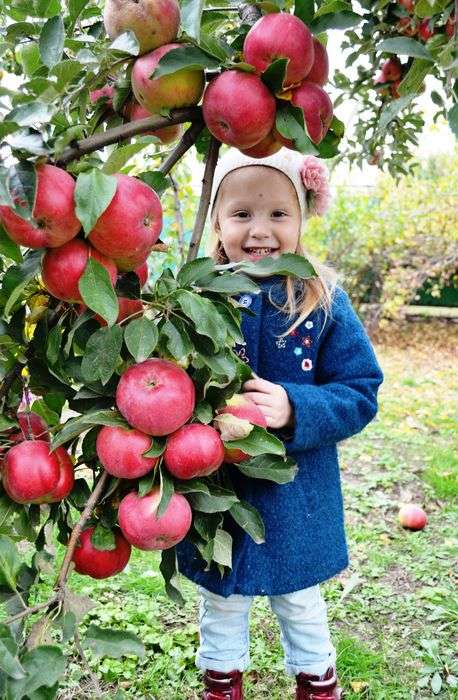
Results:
304 631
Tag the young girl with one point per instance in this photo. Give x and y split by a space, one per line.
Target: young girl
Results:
316 383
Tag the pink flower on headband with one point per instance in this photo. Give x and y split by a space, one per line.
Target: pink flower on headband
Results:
314 175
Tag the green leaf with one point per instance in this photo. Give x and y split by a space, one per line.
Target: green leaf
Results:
453 119
286 264
271 467
75 7
31 113
187 57
141 336
17 277
76 426
10 562
413 80
258 442
428 8
146 483
178 342
28 55
204 315
102 538
391 110
436 683
65 71
218 501
157 448
7 127
9 663
53 345
166 492
102 353
195 270
222 548
169 570
126 42
335 20
191 13
8 248
6 423
122 155
22 185
156 180
97 291
405 46
203 412
249 519
274 75
52 39
304 9
290 123
43 667
229 284
113 643
93 193
333 6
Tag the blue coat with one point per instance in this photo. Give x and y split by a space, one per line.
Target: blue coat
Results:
331 375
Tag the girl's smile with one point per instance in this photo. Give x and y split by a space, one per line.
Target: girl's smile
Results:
258 214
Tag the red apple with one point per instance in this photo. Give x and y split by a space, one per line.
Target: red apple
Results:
317 108
63 267
154 22
128 308
238 109
412 517
394 92
130 225
450 26
54 220
156 396
105 91
167 134
180 89
33 474
267 147
100 563
121 452
141 527
425 31
392 70
33 426
407 26
319 72
407 4
245 414
280 35
142 273
194 450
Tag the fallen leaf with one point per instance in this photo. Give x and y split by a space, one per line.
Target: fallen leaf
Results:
358 686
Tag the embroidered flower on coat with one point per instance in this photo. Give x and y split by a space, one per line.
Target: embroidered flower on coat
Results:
293 333
241 352
307 341
245 300
280 343
309 325
298 351
306 364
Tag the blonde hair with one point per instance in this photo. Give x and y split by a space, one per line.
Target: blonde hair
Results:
314 292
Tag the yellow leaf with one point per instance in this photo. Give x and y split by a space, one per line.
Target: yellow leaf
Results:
358 686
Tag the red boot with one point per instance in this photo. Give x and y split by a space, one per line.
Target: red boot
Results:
223 686
323 687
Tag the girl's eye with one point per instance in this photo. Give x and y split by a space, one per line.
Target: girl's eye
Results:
278 213
241 214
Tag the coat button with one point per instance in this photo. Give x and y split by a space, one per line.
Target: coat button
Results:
245 300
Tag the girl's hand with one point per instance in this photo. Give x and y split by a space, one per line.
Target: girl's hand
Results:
273 401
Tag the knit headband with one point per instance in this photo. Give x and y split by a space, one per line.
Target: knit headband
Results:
308 175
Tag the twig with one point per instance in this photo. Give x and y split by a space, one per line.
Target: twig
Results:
178 219
93 143
31 610
249 14
95 681
187 140
207 182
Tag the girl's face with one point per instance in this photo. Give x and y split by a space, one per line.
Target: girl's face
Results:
258 214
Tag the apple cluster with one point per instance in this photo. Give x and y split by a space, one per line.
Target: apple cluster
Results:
411 26
390 77
240 110
121 239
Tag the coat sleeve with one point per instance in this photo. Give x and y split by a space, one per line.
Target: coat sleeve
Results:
344 398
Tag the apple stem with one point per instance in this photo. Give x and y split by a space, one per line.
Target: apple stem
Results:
187 140
118 133
207 182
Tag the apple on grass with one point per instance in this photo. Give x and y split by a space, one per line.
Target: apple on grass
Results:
130 225
121 451
194 450
154 22
63 267
156 396
144 530
238 109
235 421
100 563
33 474
54 220
412 517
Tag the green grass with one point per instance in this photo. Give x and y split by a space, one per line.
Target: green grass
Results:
392 613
